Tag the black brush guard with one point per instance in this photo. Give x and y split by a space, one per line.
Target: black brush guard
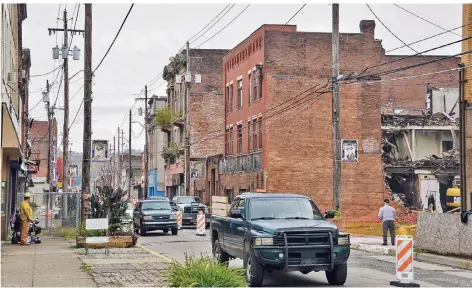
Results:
308 235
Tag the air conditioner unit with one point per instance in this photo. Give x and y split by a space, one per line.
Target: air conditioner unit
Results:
11 77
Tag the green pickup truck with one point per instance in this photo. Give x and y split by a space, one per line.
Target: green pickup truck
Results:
284 232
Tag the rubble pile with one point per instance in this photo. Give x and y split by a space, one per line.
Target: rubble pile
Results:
448 160
417 119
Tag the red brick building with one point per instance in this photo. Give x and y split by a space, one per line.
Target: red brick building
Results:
279 139
39 135
206 113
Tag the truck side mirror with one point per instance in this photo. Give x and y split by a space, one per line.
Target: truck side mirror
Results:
243 213
330 214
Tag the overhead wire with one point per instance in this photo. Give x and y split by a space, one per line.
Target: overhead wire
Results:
425 20
190 39
116 36
45 74
219 31
76 114
213 24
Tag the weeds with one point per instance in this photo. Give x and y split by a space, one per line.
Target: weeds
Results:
203 271
86 268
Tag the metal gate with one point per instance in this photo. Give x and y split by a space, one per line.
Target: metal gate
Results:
54 210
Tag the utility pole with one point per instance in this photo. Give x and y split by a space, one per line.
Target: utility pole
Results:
336 112
118 172
129 159
87 138
187 123
65 137
113 164
146 148
50 175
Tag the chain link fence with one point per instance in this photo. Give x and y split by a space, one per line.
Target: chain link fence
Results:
54 210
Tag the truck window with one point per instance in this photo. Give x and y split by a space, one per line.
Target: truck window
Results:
283 208
234 206
187 200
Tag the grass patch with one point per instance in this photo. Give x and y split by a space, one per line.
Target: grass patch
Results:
203 271
86 268
68 233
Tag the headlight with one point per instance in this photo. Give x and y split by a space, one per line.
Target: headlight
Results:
173 216
147 217
263 241
343 240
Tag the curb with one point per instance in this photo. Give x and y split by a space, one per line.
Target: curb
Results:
158 255
426 257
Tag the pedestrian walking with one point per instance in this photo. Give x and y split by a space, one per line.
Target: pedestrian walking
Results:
387 216
26 216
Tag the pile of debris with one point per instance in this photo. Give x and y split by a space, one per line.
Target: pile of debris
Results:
449 160
402 118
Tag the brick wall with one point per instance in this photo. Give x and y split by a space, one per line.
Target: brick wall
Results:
469 156
410 93
39 137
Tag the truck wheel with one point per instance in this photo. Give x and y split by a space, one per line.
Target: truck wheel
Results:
254 271
220 256
142 230
165 231
338 275
175 231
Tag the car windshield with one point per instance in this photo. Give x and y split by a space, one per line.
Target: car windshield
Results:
187 200
283 208
156 205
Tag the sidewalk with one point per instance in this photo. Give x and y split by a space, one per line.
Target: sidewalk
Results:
49 264
372 244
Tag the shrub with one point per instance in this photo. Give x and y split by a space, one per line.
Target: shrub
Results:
203 271
164 117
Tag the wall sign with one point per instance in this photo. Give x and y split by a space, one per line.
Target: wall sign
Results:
349 151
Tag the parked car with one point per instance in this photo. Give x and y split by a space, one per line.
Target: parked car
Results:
284 232
190 206
128 217
152 215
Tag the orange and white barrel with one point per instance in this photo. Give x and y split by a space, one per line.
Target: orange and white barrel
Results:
404 258
179 219
201 224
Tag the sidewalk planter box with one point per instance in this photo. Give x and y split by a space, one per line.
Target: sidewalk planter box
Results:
115 242
80 241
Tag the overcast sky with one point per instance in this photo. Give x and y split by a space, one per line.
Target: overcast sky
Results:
154 32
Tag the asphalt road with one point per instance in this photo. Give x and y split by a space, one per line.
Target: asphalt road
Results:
364 270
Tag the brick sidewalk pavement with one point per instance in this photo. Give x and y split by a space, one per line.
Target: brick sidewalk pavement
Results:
124 267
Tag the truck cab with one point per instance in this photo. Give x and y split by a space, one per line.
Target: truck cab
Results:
285 232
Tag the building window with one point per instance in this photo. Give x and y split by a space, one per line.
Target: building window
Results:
255 86
227 99
249 89
254 130
447 146
240 93
260 132
230 97
240 138
259 79
230 148
249 136
226 141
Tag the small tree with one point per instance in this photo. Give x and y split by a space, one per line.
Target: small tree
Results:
114 207
164 117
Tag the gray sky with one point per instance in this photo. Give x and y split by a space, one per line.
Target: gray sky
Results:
154 32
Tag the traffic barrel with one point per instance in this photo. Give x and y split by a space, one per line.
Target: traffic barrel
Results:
404 262
201 224
179 219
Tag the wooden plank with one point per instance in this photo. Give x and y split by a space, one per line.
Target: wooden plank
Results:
96 224
219 206
219 199
97 240
219 212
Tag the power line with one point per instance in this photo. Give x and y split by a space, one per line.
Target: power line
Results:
116 36
434 24
237 16
45 74
59 88
214 23
76 93
76 114
418 53
190 39
429 37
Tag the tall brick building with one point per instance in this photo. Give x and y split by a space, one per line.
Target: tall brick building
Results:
279 141
205 111
39 134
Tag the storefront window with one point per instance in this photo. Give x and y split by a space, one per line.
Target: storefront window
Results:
4 197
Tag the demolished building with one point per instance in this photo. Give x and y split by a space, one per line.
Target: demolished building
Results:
420 153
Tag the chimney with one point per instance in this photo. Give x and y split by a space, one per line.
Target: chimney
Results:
367 27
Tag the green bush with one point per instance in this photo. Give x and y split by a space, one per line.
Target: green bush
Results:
204 271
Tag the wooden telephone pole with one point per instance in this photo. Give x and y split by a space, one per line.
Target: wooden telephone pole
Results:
87 138
187 124
336 112
130 175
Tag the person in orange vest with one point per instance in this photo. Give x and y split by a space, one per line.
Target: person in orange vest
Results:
26 216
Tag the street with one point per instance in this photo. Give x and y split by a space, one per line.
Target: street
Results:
365 270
